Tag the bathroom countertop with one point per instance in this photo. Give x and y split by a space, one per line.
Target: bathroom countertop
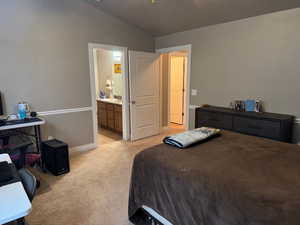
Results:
111 100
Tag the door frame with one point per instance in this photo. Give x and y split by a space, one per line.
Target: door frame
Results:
125 79
188 49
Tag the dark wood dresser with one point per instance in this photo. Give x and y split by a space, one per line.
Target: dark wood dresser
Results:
268 125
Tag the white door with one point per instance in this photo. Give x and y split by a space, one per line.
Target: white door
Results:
144 94
177 67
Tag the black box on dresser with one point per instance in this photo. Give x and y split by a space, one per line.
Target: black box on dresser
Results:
274 126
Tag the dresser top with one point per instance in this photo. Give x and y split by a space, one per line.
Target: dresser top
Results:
266 115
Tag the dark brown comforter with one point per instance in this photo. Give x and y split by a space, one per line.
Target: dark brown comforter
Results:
233 179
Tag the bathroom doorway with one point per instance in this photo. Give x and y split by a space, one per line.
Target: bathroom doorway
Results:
109 79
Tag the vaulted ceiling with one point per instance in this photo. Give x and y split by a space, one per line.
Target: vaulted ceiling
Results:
169 16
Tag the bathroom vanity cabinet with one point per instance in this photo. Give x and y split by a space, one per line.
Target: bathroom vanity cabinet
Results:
110 115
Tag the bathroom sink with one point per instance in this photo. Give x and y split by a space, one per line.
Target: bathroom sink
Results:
112 100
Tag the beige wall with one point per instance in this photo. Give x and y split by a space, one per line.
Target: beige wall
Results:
117 78
255 57
105 62
44 55
74 128
105 69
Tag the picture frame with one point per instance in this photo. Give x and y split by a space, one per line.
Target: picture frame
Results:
118 68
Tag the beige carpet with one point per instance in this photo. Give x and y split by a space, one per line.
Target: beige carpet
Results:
95 192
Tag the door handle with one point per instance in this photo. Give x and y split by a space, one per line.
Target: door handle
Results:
133 102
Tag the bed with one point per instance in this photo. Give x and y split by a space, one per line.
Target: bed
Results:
233 179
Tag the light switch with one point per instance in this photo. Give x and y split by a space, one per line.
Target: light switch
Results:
194 92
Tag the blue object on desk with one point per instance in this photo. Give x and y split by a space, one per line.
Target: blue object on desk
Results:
250 105
22 111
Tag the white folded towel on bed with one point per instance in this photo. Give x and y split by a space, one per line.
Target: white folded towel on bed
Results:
187 138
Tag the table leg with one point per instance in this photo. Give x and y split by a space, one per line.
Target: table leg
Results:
38 139
5 141
37 135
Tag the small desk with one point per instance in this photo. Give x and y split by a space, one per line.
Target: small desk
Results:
12 125
14 201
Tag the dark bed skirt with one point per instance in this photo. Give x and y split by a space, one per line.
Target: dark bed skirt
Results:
142 217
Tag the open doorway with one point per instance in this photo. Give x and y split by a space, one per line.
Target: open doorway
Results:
176 88
175 69
109 92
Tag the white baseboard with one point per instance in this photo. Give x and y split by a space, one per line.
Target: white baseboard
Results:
83 148
165 128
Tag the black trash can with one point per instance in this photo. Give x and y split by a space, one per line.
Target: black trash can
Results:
56 156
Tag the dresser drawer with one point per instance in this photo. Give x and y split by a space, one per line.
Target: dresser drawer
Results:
118 108
111 124
110 115
212 119
102 118
101 105
262 128
110 106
